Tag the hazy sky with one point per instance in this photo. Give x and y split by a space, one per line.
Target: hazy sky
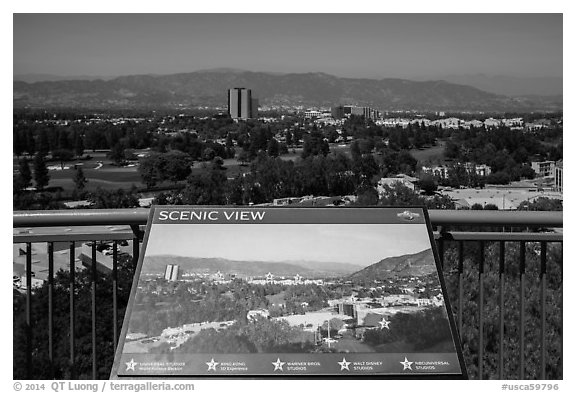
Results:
360 244
353 45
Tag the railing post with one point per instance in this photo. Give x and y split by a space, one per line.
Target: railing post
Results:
543 310
51 308
94 367
115 293
460 285
481 312
135 251
72 310
522 317
29 310
501 311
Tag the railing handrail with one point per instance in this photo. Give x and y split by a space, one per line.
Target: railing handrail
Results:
139 216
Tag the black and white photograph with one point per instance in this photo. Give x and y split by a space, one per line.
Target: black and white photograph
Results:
314 191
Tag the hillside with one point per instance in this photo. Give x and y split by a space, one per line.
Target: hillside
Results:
416 265
157 264
208 88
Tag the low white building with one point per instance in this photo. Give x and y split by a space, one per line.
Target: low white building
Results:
391 181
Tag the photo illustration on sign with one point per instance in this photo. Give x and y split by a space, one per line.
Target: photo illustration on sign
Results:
288 291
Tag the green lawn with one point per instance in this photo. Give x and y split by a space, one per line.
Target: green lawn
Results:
432 154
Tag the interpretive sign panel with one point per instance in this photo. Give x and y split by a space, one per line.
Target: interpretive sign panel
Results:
288 292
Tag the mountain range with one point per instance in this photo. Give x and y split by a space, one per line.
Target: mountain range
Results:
409 265
307 269
208 88
510 85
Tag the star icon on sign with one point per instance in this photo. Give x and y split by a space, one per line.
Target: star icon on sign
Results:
344 364
407 365
384 324
131 364
212 365
278 365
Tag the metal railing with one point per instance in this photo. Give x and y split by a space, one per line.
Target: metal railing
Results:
502 227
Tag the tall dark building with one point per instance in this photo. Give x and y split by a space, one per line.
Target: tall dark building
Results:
241 105
337 112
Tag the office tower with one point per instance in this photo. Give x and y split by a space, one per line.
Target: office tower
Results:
241 105
171 273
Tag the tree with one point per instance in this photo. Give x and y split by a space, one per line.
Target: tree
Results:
218 163
24 174
400 195
365 167
367 196
243 157
208 154
428 185
451 150
62 155
207 188
314 144
177 166
103 199
150 169
78 144
61 334
288 138
42 144
273 149
19 142
41 176
542 204
116 153
79 179
355 150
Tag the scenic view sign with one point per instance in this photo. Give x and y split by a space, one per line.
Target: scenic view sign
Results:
288 292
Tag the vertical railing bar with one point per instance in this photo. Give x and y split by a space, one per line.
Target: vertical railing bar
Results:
51 309
94 368
115 292
481 312
561 362
72 310
440 244
522 316
135 251
29 310
460 285
543 246
501 311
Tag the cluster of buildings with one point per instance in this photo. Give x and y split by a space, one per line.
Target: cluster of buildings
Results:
269 278
507 197
174 273
241 105
551 170
369 312
442 171
453 123
341 111
405 180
